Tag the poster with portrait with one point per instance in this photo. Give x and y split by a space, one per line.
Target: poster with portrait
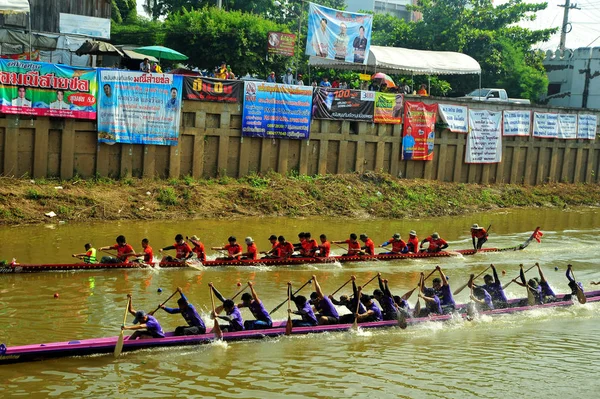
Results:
351 105
139 108
389 108
338 35
419 131
484 142
281 43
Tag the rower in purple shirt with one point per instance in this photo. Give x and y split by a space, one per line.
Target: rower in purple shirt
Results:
386 300
573 285
494 287
547 294
232 313
443 292
255 305
373 312
432 303
149 327
534 291
327 312
350 304
482 299
189 313
304 310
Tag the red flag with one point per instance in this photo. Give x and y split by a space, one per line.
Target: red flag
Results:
538 236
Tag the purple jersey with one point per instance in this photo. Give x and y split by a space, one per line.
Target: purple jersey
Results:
389 308
259 312
546 290
434 307
307 314
237 322
496 292
326 308
376 311
487 298
189 314
445 295
153 326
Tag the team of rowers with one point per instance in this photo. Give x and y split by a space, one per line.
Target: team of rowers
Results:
320 309
280 247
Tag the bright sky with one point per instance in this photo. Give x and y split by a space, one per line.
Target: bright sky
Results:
585 22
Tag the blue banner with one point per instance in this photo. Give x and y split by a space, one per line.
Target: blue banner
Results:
139 108
338 35
276 111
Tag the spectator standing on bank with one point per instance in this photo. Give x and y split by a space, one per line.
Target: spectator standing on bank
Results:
325 82
288 78
271 78
145 65
300 82
423 90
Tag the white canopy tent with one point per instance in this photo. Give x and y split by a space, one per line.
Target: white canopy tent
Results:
17 7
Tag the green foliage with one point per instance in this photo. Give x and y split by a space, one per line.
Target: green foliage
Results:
123 10
33 194
139 31
167 196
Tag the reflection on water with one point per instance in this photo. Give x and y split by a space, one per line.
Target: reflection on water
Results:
553 352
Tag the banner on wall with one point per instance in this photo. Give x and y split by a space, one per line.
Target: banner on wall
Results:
545 125
567 126
389 108
139 108
281 43
484 142
419 131
338 35
276 111
587 127
517 123
357 105
207 89
42 89
454 117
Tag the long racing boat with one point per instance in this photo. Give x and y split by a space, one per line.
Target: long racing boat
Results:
292 261
84 347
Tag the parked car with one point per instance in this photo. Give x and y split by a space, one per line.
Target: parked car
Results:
498 95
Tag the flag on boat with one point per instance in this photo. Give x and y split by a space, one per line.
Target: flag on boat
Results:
538 235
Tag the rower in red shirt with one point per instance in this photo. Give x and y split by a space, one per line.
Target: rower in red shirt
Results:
251 251
353 245
325 247
309 246
480 234
436 243
274 252
124 251
234 250
198 248
182 248
148 254
286 249
398 245
369 247
413 242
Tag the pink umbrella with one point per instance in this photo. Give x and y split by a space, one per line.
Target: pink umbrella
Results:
384 79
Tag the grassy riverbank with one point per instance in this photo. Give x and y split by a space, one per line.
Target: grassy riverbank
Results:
24 201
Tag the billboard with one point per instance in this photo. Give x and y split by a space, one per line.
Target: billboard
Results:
207 89
85 26
389 108
354 105
484 142
419 131
281 43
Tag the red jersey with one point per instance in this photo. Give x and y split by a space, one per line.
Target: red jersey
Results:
413 244
252 251
121 250
478 233
199 250
233 249
309 247
369 247
285 249
353 247
435 245
183 250
324 249
148 255
275 248
398 245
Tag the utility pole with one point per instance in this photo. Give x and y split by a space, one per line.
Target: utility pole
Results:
566 25
220 4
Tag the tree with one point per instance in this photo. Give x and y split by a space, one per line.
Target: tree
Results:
141 32
123 10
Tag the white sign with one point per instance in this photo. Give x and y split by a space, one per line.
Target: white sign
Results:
455 116
587 127
484 142
517 123
567 126
545 125
85 26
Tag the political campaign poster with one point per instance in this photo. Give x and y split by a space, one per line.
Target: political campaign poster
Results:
484 141
545 125
281 43
208 89
42 89
389 108
276 111
353 105
419 131
139 108
338 35
517 123
567 126
586 127
454 117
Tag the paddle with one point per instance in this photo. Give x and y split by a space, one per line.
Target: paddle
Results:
580 295
409 293
297 291
510 282
217 328
367 283
361 252
458 290
162 304
119 346
289 325
239 292
343 285
418 304
355 324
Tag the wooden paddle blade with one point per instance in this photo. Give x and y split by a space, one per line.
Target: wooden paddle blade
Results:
355 324
402 319
217 330
581 296
119 346
459 289
417 309
289 326
409 294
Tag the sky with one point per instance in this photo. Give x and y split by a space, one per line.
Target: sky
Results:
585 22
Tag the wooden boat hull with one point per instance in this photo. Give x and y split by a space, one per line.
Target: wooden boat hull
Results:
85 347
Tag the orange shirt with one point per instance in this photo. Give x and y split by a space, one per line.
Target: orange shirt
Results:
285 250
324 249
148 255
252 251
123 249
478 233
413 244
233 249
309 247
353 247
199 250
398 245
370 247
183 250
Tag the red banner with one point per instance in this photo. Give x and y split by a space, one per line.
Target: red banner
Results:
281 43
419 131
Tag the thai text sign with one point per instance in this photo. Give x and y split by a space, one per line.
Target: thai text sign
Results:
139 108
484 142
276 111
545 125
567 126
281 43
517 123
207 89
41 89
345 104
587 127
338 35
455 117
419 131
388 108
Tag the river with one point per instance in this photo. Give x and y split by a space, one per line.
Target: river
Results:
552 353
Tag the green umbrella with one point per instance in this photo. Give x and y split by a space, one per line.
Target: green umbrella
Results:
161 52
